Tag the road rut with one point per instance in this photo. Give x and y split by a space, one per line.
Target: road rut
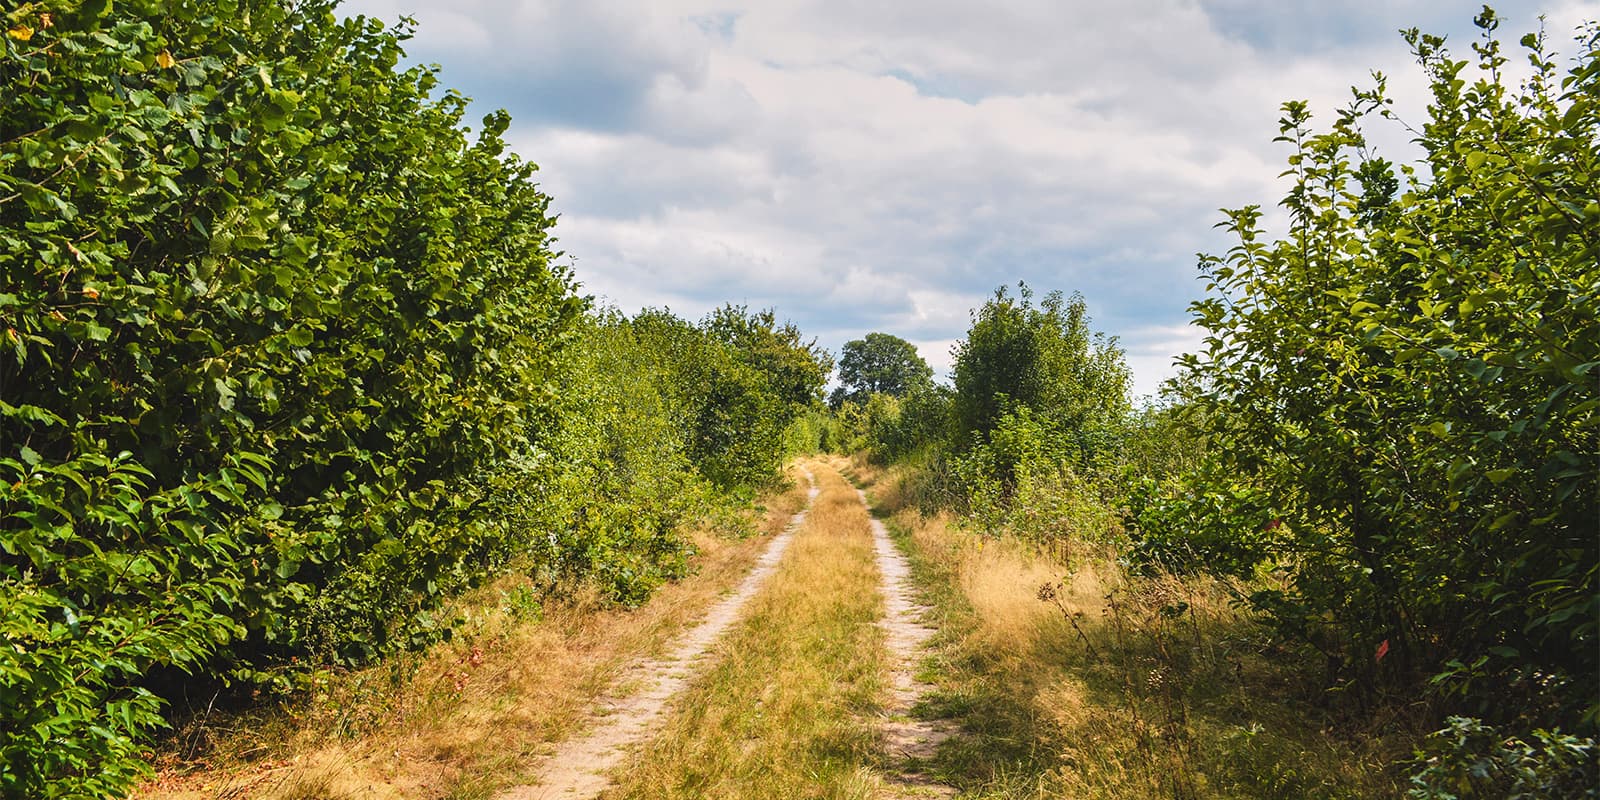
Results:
912 742
579 767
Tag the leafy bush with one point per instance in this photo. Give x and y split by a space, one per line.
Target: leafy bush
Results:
923 422
1410 376
1044 359
610 482
1201 522
738 381
1469 759
1023 480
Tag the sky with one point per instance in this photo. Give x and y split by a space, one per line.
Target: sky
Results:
866 166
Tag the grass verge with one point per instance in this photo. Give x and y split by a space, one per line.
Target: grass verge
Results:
465 718
1076 679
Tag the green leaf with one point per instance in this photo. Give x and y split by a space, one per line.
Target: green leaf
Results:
1503 520
225 394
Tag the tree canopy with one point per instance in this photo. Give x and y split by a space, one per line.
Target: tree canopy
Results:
879 363
1040 357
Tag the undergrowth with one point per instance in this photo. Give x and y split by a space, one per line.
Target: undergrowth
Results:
1072 676
466 717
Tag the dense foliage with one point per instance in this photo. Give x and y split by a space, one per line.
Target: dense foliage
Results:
286 362
265 305
1042 358
740 379
655 424
1027 438
1406 390
1035 390
1391 438
879 363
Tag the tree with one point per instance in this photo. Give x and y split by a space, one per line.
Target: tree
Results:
795 369
879 363
1412 379
1043 358
739 379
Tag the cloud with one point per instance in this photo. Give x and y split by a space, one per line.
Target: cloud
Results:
884 166
573 63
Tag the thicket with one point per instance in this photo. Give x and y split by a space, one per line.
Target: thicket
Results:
1391 436
287 360
656 423
1404 392
1027 438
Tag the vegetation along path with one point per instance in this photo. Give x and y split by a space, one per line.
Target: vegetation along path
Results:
579 767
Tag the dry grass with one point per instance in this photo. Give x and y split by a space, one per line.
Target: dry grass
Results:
1109 685
465 719
786 710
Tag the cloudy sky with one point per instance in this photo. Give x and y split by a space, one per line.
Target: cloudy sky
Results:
883 166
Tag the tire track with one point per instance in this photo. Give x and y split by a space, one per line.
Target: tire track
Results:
912 742
579 766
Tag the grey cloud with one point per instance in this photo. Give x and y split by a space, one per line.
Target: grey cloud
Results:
883 166
556 62
1297 28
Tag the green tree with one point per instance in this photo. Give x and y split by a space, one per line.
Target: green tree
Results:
795 370
1044 358
739 380
879 363
922 421
1412 378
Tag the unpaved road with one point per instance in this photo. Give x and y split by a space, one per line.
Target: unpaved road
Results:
637 706
579 766
911 741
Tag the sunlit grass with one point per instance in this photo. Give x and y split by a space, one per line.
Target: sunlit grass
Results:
1111 685
470 716
787 708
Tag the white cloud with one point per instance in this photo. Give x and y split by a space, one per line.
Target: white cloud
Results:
883 166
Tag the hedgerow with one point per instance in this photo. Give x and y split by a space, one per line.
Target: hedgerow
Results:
287 359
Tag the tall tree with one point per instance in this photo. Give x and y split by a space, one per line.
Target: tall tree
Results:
879 363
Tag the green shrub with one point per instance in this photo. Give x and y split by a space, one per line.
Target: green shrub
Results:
1468 759
1201 522
1410 375
268 316
923 421
1043 358
738 381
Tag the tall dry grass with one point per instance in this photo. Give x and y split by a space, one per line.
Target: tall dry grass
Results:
469 716
1073 678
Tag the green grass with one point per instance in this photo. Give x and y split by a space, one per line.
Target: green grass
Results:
787 710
